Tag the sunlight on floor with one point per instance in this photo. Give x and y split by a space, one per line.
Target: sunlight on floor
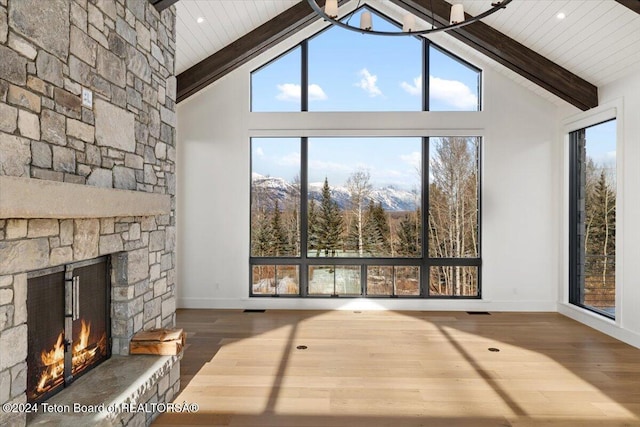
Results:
407 366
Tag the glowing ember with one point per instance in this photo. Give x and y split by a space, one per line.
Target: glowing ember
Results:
82 357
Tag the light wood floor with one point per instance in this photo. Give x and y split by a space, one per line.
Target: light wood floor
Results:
403 369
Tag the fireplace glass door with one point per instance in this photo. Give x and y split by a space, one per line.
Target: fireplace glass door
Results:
68 323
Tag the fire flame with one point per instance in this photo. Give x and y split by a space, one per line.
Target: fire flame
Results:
82 356
53 361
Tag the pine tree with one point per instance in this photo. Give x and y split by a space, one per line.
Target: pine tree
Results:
330 222
409 235
279 238
261 235
377 233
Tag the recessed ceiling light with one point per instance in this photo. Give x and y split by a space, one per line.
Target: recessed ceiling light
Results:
200 20
561 15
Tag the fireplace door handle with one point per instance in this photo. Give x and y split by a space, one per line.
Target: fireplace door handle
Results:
69 294
76 298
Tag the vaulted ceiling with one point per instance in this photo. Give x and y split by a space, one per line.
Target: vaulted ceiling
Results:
596 43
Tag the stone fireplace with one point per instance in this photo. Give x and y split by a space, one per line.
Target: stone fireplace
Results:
80 181
141 270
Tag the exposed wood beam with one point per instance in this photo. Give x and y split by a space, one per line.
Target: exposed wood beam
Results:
246 48
511 54
161 5
631 4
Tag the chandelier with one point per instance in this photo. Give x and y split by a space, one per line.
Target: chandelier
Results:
457 20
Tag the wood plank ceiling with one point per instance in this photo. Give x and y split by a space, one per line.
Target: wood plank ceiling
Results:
236 32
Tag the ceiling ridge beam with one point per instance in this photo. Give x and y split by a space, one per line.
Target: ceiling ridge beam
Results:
510 53
246 48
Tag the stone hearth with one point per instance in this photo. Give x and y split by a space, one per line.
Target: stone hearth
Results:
115 393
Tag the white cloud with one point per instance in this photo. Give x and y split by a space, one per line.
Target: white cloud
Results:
291 92
453 93
414 159
329 166
259 151
291 159
415 88
288 92
368 83
316 93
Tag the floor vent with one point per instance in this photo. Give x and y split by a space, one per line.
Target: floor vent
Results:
478 312
254 310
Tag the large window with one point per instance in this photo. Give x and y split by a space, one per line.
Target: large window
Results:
365 216
343 216
592 213
340 70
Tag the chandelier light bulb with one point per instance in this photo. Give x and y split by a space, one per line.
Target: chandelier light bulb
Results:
331 8
457 14
408 23
365 21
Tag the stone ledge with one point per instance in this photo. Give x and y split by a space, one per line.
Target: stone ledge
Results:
120 380
37 198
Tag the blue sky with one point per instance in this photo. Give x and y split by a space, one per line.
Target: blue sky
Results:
349 71
601 144
390 161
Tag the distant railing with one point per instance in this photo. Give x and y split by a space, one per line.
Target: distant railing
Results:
600 281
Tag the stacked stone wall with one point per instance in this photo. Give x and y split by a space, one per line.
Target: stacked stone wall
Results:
122 51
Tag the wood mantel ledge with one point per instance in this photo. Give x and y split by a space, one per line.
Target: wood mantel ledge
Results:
36 198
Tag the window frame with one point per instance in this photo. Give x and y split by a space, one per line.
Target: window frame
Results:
424 263
577 138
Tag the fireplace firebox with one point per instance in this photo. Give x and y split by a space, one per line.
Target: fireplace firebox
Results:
68 324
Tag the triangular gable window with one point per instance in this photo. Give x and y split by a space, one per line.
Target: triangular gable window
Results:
341 70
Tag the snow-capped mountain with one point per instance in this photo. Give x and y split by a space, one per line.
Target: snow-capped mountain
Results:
391 198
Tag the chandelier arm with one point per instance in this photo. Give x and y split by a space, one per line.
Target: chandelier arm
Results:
350 14
496 7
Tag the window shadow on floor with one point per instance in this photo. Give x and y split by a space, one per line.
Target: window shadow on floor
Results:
596 366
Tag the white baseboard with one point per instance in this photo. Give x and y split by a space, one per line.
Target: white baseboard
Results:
364 304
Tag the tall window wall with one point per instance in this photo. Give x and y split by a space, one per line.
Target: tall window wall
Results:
593 195
365 216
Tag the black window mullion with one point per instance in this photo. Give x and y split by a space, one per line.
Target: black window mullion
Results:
479 141
363 280
304 218
480 91
425 74
424 208
576 147
304 77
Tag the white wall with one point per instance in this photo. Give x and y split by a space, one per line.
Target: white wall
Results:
621 100
520 202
